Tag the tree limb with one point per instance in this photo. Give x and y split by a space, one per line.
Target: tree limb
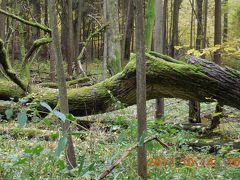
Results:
33 24
36 44
8 68
126 153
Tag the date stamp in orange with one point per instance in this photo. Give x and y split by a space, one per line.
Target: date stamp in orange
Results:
190 162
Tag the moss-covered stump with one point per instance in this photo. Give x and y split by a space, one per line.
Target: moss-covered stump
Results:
198 80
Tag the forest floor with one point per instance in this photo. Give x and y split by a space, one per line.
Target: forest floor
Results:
27 153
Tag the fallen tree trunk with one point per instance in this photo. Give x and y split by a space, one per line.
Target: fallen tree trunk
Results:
197 79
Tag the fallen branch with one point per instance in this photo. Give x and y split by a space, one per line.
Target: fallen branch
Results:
85 46
9 70
29 133
198 80
33 24
126 153
36 45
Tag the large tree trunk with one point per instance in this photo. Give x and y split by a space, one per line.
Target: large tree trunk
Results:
113 37
201 81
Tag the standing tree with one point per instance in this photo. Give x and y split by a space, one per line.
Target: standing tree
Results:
36 11
141 87
217 31
105 50
79 13
70 37
2 19
194 106
113 37
159 46
63 99
126 48
175 20
225 25
217 55
204 39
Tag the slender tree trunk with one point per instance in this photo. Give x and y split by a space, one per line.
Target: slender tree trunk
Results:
78 66
225 26
165 27
159 46
21 42
37 17
175 19
50 49
192 22
126 48
52 60
217 31
3 20
105 49
70 38
217 55
63 99
204 42
141 87
194 106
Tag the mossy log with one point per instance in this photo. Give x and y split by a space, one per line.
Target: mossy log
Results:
29 133
79 81
36 45
197 79
29 23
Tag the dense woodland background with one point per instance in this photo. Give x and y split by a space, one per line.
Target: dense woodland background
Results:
71 72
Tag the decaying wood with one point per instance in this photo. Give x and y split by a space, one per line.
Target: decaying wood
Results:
201 80
126 153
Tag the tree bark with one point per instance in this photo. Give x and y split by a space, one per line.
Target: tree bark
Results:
70 38
217 31
37 17
113 36
194 106
225 25
217 56
175 21
141 79
63 99
126 48
2 20
78 36
159 44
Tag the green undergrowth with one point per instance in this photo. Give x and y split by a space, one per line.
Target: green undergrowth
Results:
22 157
